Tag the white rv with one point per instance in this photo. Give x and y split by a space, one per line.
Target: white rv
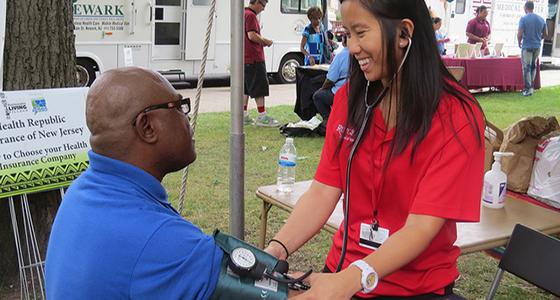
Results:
166 35
504 18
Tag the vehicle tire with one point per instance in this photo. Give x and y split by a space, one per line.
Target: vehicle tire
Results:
85 71
287 69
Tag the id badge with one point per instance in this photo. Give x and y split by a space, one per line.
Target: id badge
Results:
371 238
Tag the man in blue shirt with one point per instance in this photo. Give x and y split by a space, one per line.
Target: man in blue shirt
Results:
336 77
529 35
116 236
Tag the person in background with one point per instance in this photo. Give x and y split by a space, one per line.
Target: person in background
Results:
417 168
313 38
532 29
115 235
478 29
336 77
332 44
440 38
256 78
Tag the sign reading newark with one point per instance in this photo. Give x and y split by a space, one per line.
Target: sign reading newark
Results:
43 139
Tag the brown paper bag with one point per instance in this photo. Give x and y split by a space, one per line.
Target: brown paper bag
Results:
522 138
493 138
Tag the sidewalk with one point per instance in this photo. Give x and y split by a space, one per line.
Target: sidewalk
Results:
217 99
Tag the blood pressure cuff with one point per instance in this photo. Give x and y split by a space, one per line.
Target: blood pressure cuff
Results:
233 287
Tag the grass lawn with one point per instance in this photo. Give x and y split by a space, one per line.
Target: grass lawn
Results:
207 203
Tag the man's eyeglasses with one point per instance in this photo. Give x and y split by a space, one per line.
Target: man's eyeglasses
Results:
183 105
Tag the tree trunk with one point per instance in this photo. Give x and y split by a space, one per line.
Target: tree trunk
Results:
38 53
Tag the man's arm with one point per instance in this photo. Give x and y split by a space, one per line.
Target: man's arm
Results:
520 32
327 84
257 38
544 31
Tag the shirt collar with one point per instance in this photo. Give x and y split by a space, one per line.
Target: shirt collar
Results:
379 122
483 21
130 173
251 10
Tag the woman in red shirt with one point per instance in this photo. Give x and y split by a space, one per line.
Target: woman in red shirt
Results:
416 172
478 29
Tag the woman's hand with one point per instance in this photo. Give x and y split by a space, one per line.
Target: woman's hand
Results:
276 250
341 285
311 60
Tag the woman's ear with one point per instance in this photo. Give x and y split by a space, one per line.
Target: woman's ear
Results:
406 32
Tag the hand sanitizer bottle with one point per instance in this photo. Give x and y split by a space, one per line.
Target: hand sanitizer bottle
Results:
495 183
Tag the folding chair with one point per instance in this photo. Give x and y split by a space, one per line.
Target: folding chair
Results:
532 256
476 50
462 50
498 49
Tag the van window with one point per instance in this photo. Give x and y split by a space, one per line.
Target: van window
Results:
169 2
298 6
460 7
201 2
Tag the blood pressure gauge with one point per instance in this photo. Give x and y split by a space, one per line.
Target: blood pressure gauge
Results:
242 261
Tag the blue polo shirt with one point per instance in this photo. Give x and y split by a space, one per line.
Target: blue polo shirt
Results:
338 70
116 236
532 26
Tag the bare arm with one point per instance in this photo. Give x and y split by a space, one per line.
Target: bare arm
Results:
519 37
327 84
474 37
257 38
302 46
305 53
399 249
544 32
406 244
310 214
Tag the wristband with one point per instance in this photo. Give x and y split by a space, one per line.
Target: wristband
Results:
281 244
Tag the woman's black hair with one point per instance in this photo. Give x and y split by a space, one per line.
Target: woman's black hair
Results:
481 9
423 78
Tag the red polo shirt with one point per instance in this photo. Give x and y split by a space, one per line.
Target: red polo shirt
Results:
254 52
444 180
478 28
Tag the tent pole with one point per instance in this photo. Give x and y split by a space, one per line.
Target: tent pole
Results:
237 135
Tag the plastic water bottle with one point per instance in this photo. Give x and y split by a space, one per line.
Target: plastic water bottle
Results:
287 167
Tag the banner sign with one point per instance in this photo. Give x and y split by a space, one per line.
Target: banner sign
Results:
43 139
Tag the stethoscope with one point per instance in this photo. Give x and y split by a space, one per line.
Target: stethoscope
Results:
356 144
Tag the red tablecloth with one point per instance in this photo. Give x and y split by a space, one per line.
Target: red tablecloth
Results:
530 199
504 73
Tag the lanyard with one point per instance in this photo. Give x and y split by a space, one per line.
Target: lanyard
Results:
376 201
